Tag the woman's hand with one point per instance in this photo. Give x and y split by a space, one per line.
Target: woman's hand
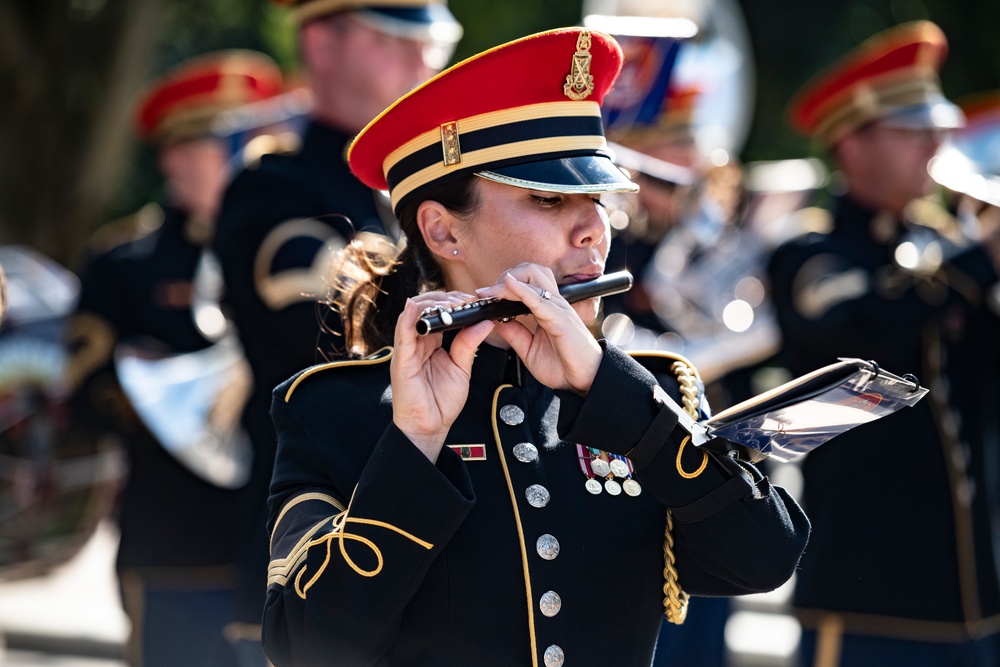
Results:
561 352
429 384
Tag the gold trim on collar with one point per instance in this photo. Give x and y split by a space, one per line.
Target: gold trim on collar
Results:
385 354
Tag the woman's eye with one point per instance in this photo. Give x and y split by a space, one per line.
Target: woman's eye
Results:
546 201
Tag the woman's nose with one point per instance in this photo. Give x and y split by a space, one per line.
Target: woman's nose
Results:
592 226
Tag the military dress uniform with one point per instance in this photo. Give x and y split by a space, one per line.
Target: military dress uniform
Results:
500 553
908 553
175 559
283 219
903 567
540 535
177 530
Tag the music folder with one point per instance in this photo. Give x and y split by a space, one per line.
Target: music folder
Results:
792 419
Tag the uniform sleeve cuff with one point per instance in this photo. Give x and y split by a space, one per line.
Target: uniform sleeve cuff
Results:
617 411
419 488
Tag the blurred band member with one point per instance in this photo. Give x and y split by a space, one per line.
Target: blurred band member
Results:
284 216
175 559
902 567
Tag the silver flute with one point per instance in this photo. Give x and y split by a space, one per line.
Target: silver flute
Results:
434 320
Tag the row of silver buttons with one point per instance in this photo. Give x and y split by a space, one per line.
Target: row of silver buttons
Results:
547 545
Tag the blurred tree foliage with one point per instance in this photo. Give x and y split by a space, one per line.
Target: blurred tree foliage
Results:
71 70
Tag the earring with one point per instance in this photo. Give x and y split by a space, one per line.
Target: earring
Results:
455 251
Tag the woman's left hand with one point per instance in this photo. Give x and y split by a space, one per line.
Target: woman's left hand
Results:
561 352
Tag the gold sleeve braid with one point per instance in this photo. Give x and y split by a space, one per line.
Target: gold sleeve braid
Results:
675 600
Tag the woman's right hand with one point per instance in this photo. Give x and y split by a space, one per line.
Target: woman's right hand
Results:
430 384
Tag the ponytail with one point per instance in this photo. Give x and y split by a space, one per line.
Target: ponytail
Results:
369 286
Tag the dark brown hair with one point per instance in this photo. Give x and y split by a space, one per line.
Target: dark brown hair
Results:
369 288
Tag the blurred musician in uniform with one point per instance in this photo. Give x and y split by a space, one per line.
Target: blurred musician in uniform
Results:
903 564
283 217
500 495
175 558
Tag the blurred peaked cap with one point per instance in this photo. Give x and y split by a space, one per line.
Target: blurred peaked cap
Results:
526 113
427 20
892 76
183 103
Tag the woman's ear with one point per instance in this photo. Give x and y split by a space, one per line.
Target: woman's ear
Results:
436 226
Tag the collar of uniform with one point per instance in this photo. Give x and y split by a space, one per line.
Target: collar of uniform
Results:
495 366
858 220
320 141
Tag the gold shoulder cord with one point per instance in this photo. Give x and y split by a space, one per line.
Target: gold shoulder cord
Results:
675 600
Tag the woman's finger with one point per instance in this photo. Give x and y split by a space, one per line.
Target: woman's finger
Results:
467 342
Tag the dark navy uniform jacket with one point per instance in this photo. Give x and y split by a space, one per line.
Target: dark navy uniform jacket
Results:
280 222
380 557
902 509
140 292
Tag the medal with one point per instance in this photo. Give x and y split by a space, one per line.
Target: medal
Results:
619 467
600 467
613 487
632 487
593 486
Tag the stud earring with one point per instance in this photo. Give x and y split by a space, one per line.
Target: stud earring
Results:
455 251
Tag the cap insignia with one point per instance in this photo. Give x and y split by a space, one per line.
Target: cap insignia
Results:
449 144
579 82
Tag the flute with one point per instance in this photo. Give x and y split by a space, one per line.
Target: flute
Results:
434 320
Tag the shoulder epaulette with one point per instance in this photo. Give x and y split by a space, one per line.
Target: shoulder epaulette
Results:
808 220
129 228
383 355
927 213
667 357
286 143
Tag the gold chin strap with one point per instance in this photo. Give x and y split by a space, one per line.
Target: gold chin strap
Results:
675 600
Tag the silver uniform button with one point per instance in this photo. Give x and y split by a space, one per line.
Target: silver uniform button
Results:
550 604
511 415
547 547
525 452
537 495
554 656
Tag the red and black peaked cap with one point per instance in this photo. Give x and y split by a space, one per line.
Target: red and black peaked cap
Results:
526 113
